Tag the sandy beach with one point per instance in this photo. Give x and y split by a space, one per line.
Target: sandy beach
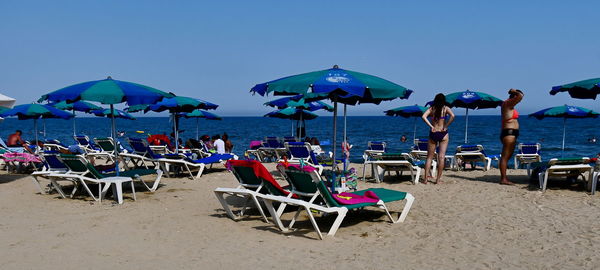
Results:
469 222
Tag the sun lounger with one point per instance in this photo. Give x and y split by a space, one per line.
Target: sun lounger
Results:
565 167
272 148
399 163
107 149
301 152
52 165
254 178
85 144
528 153
332 205
471 154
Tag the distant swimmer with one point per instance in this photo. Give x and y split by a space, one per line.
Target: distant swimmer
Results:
592 140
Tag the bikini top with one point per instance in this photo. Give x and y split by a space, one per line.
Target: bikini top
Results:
515 115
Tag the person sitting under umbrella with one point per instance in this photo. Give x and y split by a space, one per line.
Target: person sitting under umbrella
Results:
15 140
510 131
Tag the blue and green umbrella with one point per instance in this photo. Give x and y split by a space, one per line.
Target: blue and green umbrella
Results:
406 112
79 106
114 113
339 85
178 105
108 91
299 102
200 114
586 89
35 112
565 112
293 113
471 100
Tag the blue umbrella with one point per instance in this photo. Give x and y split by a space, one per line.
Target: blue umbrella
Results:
200 114
79 106
108 91
565 112
114 113
35 112
177 105
406 112
586 89
471 100
338 85
298 101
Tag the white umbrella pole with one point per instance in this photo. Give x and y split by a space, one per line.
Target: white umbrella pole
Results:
197 133
113 131
176 135
334 164
35 127
345 114
466 124
415 130
562 152
300 125
292 120
74 132
44 124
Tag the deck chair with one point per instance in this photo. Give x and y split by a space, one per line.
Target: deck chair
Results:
302 152
54 145
272 147
373 148
566 167
107 148
290 139
52 165
399 163
84 143
333 206
81 172
528 153
254 179
471 154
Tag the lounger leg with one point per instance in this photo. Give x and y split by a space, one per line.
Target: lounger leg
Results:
36 182
58 188
294 218
274 216
262 213
418 176
594 182
221 198
338 221
409 201
282 206
314 222
545 181
200 171
133 191
159 174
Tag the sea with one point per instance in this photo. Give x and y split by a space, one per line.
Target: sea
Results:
482 129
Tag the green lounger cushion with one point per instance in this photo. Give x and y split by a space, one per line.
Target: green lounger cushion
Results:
386 195
131 173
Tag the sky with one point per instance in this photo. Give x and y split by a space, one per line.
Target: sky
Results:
218 50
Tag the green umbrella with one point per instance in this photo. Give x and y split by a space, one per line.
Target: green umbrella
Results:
200 114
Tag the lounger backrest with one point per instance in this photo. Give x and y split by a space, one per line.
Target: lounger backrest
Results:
82 140
139 146
529 148
298 149
301 182
569 161
290 139
326 195
107 144
469 148
79 165
377 146
52 161
273 142
421 144
246 176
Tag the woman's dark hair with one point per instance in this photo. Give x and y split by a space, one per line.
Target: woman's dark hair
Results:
438 105
225 136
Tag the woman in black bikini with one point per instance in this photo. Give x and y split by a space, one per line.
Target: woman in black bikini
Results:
510 131
438 134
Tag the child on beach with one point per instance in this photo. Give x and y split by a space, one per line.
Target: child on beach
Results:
438 135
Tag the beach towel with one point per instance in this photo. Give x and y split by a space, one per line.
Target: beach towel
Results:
351 198
260 171
21 157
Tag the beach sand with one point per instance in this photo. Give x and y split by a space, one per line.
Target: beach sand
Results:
469 222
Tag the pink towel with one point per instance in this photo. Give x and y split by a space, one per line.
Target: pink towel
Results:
350 198
21 157
305 168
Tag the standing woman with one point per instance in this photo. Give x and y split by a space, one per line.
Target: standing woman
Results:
438 134
510 131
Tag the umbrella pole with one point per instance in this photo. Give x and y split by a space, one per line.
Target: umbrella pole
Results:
345 138
562 152
334 164
197 133
175 135
35 127
415 130
466 124
113 131
300 125
74 132
292 120
44 124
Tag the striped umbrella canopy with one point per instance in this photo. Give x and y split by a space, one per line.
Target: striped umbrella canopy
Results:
339 85
116 113
586 89
292 113
406 112
108 91
35 112
471 100
299 101
79 106
565 112
200 114
177 105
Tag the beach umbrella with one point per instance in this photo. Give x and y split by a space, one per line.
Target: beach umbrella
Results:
178 105
338 85
298 101
77 106
586 89
565 112
108 91
471 100
114 113
200 114
35 112
406 112
293 113
6 103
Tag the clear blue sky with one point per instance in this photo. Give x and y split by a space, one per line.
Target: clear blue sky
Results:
217 50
